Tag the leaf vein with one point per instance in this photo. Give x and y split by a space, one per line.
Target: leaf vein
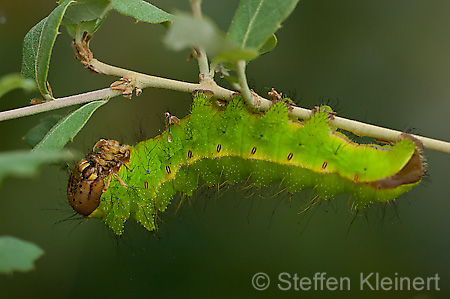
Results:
250 24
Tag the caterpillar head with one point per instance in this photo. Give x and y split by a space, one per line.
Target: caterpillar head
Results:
87 180
85 187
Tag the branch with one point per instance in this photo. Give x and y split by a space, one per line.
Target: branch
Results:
363 129
144 81
59 103
139 80
259 103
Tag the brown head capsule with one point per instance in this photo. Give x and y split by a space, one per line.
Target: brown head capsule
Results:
87 180
85 188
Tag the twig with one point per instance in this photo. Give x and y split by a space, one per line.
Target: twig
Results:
59 103
258 102
363 129
140 80
145 81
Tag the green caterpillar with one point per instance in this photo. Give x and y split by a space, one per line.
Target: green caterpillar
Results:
233 143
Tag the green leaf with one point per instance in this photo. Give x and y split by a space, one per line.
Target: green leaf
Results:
269 45
236 54
27 163
13 81
38 45
256 20
85 16
141 11
187 31
17 255
74 29
86 10
38 132
68 127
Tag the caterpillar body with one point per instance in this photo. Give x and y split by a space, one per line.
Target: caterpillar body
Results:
232 143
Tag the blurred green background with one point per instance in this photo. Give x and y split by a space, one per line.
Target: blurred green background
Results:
385 62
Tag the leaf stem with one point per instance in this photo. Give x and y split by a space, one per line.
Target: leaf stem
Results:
199 52
243 85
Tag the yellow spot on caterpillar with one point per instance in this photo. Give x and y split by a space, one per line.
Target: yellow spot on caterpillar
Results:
92 177
146 185
82 165
355 179
189 154
253 150
168 169
324 165
219 147
289 157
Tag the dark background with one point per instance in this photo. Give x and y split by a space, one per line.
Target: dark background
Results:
385 62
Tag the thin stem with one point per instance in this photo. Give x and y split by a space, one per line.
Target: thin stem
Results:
363 129
243 85
196 6
140 80
199 52
59 103
144 81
